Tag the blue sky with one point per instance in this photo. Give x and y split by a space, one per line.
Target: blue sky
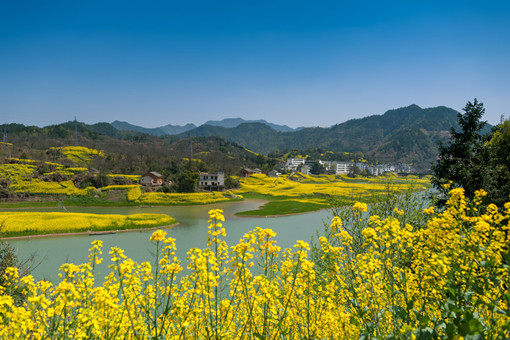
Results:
293 62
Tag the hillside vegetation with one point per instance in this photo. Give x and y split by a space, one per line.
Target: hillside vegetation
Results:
408 134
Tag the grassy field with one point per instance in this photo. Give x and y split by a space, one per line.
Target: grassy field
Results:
283 207
43 223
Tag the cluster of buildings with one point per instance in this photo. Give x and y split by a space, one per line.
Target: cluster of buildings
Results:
206 181
216 180
343 168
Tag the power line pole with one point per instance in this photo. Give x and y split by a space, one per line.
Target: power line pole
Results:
5 134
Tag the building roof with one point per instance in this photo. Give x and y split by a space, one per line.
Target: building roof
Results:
153 174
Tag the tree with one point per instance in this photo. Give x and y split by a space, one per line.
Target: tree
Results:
456 161
186 181
355 171
231 182
317 168
474 161
496 160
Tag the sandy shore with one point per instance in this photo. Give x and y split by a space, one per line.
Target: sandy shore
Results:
88 232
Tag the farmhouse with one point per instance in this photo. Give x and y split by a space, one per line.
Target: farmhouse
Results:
246 172
211 181
151 178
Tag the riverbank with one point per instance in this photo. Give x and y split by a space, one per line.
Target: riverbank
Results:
102 203
85 233
275 208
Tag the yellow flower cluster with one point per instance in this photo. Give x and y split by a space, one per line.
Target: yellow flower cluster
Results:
196 160
120 187
133 193
15 172
134 178
36 186
21 181
444 281
37 223
79 154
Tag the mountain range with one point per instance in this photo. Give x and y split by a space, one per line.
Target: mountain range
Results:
408 134
158 131
177 129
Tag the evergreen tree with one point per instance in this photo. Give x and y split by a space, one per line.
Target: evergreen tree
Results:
317 168
457 160
473 161
496 162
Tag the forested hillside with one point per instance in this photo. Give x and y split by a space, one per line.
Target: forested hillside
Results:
408 134
132 152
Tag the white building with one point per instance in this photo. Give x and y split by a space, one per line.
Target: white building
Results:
211 181
343 168
293 163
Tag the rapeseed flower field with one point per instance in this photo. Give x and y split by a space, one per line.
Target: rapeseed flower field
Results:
445 280
307 193
79 154
186 198
134 178
21 181
39 223
300 185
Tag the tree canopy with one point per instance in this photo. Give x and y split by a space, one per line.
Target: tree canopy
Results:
474 161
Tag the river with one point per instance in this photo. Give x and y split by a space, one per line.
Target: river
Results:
51 252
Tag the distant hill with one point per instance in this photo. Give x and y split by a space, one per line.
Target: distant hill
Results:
159 131
407 134
177 129
235 122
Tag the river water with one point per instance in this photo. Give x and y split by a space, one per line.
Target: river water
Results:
51 252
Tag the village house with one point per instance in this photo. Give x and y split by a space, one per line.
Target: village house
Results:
211 181
246 172
152 178
293 163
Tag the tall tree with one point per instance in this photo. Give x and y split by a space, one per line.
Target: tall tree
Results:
458 160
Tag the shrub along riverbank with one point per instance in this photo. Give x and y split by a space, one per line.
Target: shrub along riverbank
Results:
43 223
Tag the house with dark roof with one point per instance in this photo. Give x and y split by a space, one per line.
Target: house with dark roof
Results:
152 178
246 172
